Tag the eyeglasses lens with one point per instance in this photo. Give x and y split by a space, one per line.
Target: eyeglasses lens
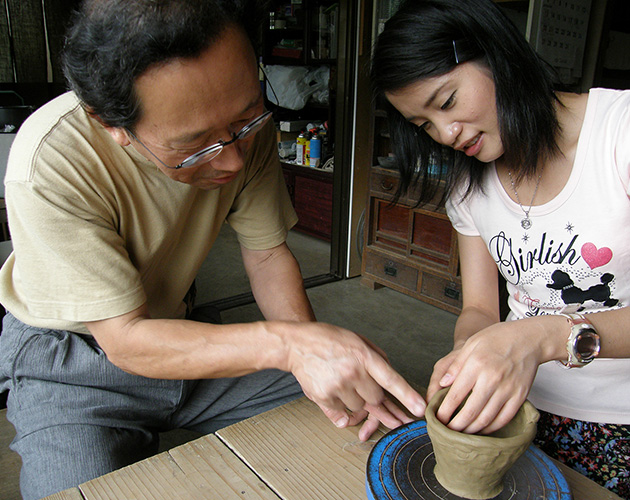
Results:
213 151
254 126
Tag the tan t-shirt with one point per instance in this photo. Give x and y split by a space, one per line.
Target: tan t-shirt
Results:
98 230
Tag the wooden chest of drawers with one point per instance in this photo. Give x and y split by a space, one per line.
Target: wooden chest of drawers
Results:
412 250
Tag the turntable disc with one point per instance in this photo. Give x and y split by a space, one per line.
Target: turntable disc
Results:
400 466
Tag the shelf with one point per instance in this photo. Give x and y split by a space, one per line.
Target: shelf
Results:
311 192
301 19
318 44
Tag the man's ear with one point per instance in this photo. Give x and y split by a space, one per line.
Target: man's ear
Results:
119 134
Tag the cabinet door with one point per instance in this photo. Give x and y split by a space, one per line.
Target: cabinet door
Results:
313 204
390 226
432 239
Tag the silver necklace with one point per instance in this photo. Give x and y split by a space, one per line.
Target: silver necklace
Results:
526 222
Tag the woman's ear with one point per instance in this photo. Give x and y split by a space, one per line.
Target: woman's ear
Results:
119 134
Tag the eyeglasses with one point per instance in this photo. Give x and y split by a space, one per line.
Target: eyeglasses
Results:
211 152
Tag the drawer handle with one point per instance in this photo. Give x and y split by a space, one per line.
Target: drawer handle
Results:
390 270
387 185
451 292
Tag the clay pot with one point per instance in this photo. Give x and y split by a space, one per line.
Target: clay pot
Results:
473 465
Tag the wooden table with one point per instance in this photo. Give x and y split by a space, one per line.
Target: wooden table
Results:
292 452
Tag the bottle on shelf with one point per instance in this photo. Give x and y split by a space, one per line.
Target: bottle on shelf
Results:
300 152
315 150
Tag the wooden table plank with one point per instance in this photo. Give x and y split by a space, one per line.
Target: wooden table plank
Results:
213 467
201 469
69 494
298 452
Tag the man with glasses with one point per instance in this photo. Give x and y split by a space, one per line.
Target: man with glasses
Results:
116 192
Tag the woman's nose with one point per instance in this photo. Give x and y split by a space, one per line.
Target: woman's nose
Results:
449 133
445 133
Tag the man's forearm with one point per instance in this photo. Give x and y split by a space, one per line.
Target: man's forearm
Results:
183 349
176 349
277 285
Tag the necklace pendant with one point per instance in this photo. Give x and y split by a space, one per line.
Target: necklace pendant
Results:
526 222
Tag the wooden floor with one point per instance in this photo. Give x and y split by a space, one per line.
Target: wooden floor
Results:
10 462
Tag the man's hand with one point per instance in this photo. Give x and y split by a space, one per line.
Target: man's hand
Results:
389 414
341 372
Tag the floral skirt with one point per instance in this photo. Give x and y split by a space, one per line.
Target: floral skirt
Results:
601 452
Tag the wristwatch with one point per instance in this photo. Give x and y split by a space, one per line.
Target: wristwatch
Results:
583 343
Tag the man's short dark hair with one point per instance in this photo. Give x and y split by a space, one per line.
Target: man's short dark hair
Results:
110 43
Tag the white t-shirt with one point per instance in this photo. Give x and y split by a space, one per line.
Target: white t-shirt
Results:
575 257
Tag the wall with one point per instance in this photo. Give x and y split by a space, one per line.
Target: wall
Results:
31 38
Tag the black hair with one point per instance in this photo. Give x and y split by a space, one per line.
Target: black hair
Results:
110 43
428 38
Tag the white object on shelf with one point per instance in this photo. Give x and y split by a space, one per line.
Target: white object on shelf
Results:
293 126
5 144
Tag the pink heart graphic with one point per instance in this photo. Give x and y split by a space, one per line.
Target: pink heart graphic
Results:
595 257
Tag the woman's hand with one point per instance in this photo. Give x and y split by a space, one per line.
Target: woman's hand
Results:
495 369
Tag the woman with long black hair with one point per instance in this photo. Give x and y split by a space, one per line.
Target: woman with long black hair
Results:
536 184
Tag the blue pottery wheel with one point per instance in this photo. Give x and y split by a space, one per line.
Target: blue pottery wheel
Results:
400 467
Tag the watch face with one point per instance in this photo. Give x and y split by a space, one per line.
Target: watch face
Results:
587 344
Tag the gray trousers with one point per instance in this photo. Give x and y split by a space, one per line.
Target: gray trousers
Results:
77 416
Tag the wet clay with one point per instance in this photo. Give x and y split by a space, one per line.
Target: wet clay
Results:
473 465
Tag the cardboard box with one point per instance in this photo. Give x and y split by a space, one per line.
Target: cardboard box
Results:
286 136
294 126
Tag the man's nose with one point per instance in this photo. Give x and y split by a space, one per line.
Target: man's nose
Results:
231 159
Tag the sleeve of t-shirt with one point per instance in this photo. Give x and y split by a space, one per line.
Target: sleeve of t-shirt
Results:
70 264
262 213
459 212
622 140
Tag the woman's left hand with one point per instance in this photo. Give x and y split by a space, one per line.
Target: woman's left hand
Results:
495 369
